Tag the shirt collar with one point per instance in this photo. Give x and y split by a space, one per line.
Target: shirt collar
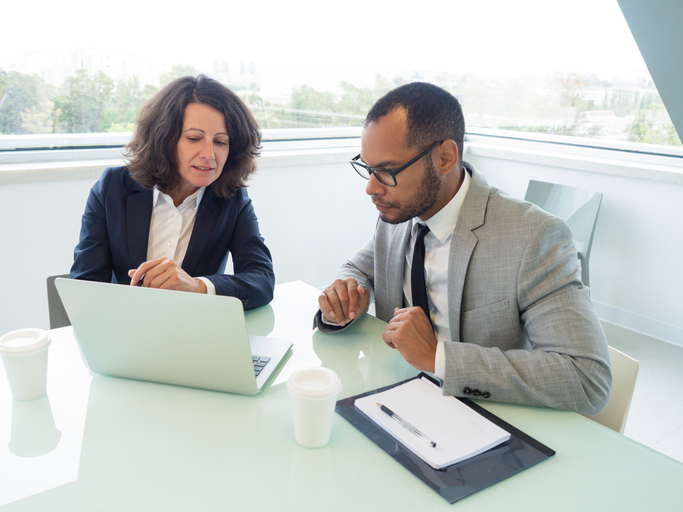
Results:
442 223
196 197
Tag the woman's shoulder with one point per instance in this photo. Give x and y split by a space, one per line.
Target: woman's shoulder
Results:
115 182
118 177
239 197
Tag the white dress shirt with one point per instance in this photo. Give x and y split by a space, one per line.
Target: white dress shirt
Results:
437 251
171 229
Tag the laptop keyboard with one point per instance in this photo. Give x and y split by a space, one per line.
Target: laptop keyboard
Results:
259 363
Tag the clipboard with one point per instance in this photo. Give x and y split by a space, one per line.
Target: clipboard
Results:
466 477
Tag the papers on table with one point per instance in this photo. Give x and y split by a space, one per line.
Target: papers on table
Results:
458 431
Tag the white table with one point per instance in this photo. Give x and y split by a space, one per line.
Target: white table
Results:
99 443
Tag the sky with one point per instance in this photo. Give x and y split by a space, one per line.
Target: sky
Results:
355 39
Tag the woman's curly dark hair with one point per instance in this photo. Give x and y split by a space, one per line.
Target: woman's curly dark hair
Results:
151 153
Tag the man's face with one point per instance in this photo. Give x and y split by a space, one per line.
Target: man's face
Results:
417 188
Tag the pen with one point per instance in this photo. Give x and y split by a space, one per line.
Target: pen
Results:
140 281
405 424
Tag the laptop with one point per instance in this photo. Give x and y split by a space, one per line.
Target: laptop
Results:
170 337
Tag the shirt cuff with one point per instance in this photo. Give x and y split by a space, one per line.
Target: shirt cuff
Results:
325 321
440 361
210 287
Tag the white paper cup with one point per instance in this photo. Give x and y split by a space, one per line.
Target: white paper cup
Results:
24 355
313 393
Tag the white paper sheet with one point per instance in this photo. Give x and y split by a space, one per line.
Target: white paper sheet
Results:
458 431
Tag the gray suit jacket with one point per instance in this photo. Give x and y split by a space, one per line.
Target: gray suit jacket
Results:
523 327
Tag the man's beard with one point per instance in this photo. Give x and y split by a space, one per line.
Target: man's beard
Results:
424 198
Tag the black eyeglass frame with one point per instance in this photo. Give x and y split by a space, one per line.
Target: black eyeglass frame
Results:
362 168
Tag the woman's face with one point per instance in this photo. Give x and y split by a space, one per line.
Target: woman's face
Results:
202 149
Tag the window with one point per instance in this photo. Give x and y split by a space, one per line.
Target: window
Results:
562 68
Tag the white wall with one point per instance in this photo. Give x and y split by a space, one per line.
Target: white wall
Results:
314 215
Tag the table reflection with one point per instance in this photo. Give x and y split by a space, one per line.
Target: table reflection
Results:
34 431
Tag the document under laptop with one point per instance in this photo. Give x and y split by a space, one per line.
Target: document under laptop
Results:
171 337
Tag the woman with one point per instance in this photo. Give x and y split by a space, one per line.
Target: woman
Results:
170 218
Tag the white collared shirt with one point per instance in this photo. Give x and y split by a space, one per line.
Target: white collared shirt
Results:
171 228
437 252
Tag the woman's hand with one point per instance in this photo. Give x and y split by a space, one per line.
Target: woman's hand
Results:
166 274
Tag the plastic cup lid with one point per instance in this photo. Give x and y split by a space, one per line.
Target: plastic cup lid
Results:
314 382
23 341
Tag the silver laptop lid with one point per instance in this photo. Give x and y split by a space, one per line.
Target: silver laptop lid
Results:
165 336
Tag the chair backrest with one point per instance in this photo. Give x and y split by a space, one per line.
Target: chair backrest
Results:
624 374
578 207
58 316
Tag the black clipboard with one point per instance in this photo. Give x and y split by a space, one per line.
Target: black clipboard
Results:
462 478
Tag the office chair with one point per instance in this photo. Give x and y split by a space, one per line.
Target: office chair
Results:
624 374
58 316
579 208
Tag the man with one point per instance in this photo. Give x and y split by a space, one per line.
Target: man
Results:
505 316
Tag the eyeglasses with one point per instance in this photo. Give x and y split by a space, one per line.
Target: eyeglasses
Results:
386 177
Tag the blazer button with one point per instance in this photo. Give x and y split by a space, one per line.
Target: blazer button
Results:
476 392
467 391
486 394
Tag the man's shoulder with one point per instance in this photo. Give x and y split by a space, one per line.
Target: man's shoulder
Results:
498 203
513 209
518 221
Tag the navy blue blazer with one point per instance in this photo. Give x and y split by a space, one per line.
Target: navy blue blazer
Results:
115 232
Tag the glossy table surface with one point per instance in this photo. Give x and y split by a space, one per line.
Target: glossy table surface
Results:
100 443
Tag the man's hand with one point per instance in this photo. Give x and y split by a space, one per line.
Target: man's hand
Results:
411 333
343 301
166 274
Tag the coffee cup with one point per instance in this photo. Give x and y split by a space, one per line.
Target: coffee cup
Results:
24 356
313 393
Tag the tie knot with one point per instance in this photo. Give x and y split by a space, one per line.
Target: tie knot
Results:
422 230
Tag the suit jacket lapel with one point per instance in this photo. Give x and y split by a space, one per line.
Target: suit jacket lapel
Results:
397 265
138 220
471 217
207 215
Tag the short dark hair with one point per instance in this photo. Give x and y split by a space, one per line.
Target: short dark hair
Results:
433 114
152 155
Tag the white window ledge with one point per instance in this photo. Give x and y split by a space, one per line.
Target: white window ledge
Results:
639 161
326 146
85 156
89 169
581 162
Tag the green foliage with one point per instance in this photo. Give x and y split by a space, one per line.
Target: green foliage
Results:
121 127
85 103
19 94
94 102
311 108
88 106
177 72
307 98
355 100
652 125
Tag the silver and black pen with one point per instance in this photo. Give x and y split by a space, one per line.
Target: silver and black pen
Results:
405 424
